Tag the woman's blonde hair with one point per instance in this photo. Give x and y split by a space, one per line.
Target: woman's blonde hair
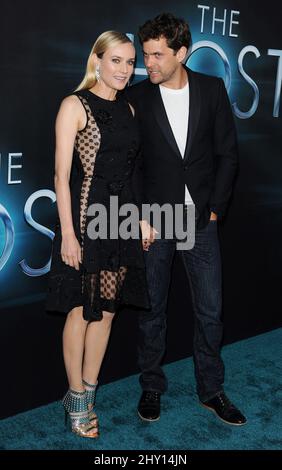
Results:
103 42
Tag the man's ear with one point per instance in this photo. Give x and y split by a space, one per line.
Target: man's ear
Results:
181 53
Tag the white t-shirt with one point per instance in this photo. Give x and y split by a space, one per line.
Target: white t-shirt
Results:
176 103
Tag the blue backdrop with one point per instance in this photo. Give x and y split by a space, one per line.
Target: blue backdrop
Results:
45 48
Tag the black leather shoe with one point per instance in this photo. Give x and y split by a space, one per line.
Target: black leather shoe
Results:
149 407
225 410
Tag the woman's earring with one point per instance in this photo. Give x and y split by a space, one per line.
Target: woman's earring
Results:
97 73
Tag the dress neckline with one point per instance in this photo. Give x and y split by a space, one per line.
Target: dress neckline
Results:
102 99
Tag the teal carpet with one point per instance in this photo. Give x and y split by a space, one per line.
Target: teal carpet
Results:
253 381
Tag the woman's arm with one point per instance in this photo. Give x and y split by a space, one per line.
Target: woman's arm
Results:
69 120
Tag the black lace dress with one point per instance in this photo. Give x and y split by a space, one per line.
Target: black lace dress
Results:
112 271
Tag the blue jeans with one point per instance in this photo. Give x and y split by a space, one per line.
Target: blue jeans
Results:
203 268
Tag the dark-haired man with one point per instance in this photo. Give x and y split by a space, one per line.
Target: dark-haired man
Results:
190 157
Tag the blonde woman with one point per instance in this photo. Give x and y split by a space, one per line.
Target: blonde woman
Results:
97 144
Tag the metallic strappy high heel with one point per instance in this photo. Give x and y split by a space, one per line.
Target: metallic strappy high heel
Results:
90 390
76 410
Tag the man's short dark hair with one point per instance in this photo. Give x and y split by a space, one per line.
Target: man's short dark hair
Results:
175 30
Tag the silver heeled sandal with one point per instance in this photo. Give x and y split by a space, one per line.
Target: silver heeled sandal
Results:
90 390
76 410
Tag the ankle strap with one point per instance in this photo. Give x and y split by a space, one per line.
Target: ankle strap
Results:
75 402
92 386
90 392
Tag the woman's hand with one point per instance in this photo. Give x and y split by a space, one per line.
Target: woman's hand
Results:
148 234
213 216
71 251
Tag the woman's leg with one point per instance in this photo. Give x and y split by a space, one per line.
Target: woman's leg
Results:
96 341
75 401
73 347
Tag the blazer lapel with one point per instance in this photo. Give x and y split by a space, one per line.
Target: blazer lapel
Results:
194 112
194 115
162 120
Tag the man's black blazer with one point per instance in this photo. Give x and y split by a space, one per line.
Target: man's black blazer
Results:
210 161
